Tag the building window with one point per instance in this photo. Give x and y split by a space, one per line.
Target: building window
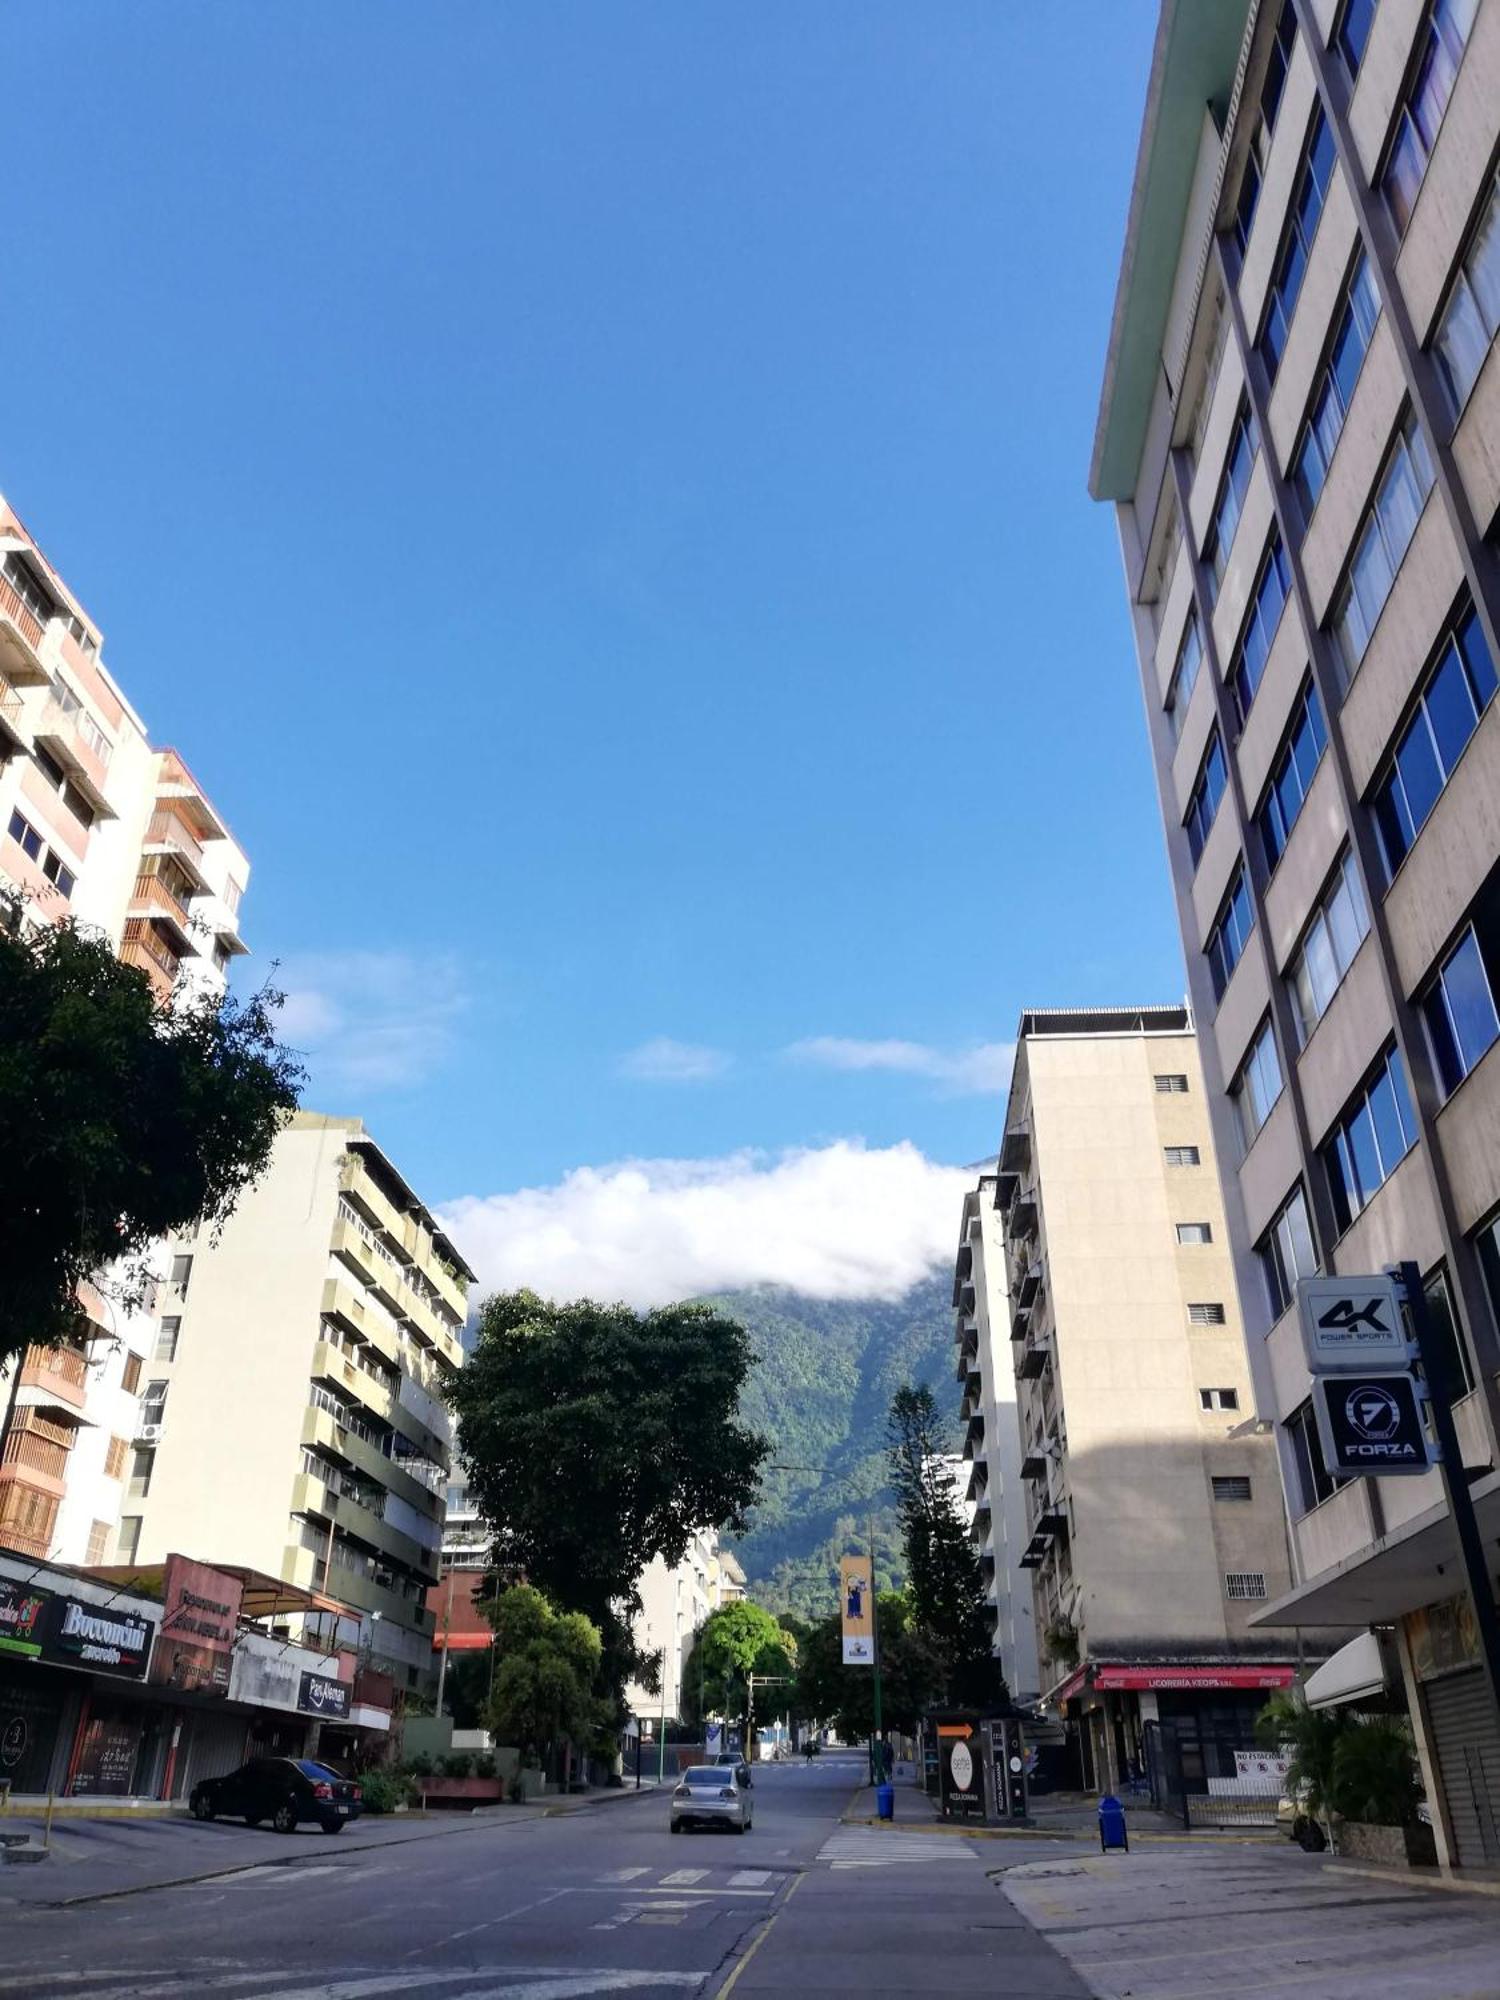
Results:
23 581
1258 1085
1381 544
1203 806
1458 1009
1487 1246
1447 1340
1292 776
130 1377
1182 1156
60 782
130 1537
1286 1252
154 1402
1195 1232
1219 1399
182 1271
1265 123
1184 675
1353 32
1370 1141
98 1543
1218 538
1232 1486
1267 602
47 858
1442 48
1208 1313
142 1459
114 1458
26 836
1171 1083
1226 941
1296 244
1245 1584
166 1340
1456 694
1472 315
1315 1483
1335 390
1335 934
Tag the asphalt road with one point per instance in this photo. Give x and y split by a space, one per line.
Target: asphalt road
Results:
602 1902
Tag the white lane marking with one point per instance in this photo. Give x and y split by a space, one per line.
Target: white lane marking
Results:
489 1924
681 1877
679 1889
749 1878
870 1848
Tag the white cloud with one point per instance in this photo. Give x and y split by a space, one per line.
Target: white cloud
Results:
370 1020
661 1060
841 1221
981 1070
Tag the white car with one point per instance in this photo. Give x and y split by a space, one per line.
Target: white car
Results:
711 1795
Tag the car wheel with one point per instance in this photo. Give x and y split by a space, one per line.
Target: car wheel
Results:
284 1819
202 1809
676 1826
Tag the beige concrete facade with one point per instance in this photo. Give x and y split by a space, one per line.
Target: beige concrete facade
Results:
1383 1143
1153 1508
293 1420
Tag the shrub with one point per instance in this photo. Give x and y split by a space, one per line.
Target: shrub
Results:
383 1791
458 1764
421 1765
484 1765
1375 1773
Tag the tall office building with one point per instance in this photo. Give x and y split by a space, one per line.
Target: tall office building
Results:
1153 1509
1300 434
293 1418
98 825
991 1487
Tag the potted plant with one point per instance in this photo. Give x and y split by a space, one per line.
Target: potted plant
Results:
1376 1791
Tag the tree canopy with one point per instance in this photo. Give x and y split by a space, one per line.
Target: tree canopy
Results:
546 1663
123 1120
944 1580
733 1643
594 1438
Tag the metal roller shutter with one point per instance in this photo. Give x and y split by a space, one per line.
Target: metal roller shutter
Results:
1467 1739
215 1745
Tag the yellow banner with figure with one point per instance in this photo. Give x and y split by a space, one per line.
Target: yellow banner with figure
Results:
857 1611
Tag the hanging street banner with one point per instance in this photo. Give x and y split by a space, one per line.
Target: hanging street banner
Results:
857 1612
1350 1325
1371 1424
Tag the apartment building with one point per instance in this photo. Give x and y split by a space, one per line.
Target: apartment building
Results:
991 1461
676 1599
1300 434
96 824
1153 1510
292 1417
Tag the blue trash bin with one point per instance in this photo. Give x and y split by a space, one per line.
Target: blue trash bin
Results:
1112 1824
885 1801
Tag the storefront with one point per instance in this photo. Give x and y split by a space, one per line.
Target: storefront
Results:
1114 1708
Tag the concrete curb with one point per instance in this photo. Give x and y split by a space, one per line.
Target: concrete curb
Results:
1408 1878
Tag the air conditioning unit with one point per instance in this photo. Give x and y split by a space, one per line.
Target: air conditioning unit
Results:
148 1433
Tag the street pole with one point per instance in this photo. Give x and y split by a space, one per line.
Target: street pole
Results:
447 1625
877 1772
1435 1367
661 1749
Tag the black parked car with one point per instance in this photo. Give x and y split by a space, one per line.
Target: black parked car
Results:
284 1790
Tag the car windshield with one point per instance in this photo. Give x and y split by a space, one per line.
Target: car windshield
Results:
704 1774
311 1770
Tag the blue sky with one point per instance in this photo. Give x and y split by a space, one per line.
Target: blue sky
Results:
597 492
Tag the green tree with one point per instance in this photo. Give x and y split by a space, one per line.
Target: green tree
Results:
1375 1776
1310 1737
595 1438
944 1580
123 1120
546 1665
733 1643
911 1674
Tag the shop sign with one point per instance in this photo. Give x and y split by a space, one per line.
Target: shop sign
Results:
1371 1424
856 1611
961 1768
318 1694
200 1613
21 1620
1351 1324
106 1762
1442 1637
103 1636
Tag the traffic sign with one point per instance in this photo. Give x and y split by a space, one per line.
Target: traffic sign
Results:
1350 1325
1371 1424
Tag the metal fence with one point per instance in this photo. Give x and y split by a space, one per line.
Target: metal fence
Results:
1205 1782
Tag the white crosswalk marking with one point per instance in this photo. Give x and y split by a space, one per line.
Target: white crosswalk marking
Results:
624 1875
750 1878
682 1878
874 1847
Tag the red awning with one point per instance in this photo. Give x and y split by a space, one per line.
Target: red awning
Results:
463 1642
1193 1677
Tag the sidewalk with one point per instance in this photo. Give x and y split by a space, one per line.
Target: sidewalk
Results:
1062 1816
111 1853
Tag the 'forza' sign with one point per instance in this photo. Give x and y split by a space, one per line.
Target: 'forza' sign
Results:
1350 1325
1370 1424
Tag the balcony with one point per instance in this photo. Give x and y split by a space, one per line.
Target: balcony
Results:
154 898
361 1593
343 1305
324 1502
1027 1286
333 1364
144 949
21 633
1034 1464
60 1373
169 833
1035 1356
1021 1221
72 736
1015 1150
11 710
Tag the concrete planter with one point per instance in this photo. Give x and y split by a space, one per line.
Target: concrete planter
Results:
459 1791
1389 1846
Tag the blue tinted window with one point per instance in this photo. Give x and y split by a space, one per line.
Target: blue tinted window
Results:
1459 1009
1354 32
1456 694
1450 707
1204 804
1370 1140
1477 658
1291 265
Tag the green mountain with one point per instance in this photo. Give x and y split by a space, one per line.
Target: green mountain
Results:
820 1391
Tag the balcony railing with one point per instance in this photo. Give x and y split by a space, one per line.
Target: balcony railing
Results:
142 947
62 1362
152 893
20 614
10 707
169 830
